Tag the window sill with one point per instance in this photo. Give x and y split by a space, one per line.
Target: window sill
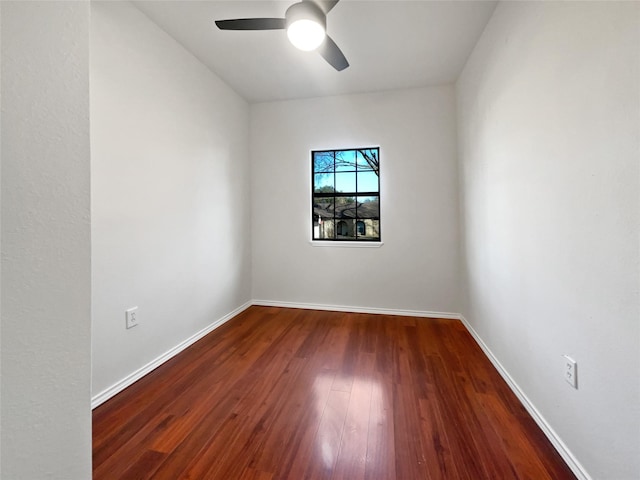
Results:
348 244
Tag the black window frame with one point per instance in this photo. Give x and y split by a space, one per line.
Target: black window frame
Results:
357 168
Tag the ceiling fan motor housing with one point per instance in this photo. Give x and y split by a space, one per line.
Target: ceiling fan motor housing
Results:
306 26
305 11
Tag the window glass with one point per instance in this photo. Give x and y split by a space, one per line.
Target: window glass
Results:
345 160
367 181
368 207
324 182
323 162
346 182
367 159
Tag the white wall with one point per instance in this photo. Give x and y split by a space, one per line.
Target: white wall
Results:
416 268
0 238
46 280
170 193
548 108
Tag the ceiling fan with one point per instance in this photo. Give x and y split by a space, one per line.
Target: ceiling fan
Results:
305 23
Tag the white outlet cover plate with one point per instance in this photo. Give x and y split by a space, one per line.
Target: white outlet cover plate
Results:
131 317
570 371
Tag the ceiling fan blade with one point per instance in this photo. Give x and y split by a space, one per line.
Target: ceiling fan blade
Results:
251 24
325 5
332 54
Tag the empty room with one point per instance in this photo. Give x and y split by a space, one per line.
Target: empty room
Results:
354 239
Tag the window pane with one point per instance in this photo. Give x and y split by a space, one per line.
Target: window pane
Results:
346 182
322 207
323 161
368 207
323 217
367 159
346 161
324 230
371 229
367 182
345 229
323 183
345 208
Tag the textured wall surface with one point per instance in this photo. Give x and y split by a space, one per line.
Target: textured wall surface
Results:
548 108
46 282
170 193
416 268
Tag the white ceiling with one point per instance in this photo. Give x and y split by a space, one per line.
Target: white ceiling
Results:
389 44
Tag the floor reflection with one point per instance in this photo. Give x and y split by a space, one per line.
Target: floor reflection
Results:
347 405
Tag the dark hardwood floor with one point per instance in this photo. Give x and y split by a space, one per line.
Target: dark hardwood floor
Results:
302 394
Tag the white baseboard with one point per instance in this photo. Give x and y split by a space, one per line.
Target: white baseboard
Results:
573 463
372 310
116 388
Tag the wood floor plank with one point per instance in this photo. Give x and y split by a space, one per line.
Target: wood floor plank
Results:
329 436
352 458
438 450
298 458
113 467
381 456
149 460
281 393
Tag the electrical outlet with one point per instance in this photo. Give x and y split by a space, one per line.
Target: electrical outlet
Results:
132 317
570 371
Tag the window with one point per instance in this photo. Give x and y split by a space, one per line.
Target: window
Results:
346 194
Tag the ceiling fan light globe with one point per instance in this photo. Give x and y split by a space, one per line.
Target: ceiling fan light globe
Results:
306 34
